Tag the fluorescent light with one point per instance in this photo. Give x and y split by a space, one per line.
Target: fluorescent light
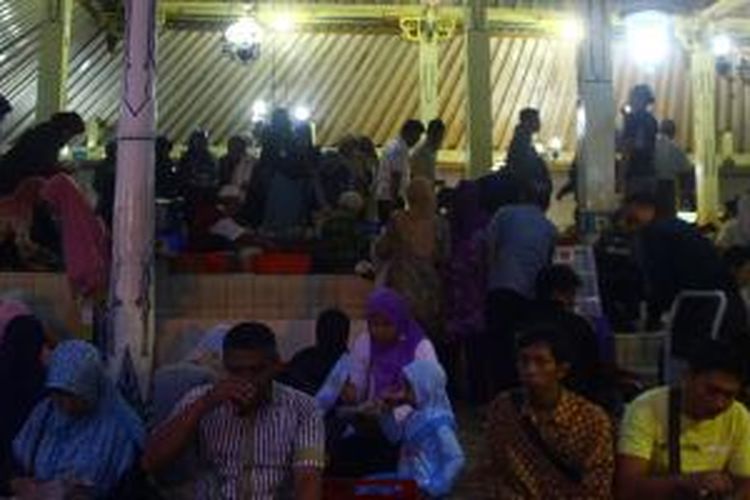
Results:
572 30
302 113
689 217
721 45
648 36
259 110
283 23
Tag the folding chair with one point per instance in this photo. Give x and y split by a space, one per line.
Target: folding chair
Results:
695 315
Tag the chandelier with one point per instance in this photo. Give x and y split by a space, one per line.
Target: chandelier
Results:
243 38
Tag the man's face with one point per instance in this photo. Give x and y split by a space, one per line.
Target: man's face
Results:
567 298
538 369
412 137
638 215
254 366
711 393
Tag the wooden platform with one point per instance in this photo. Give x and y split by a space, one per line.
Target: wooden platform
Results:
188 304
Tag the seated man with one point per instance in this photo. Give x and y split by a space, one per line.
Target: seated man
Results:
556 288
257 438
544 441
709 456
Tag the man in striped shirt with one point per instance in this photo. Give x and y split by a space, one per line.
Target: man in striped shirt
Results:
258 439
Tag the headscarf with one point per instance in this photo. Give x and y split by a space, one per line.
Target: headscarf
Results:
96 448
21 383
9 310
467 215
388 360
85 239
433 408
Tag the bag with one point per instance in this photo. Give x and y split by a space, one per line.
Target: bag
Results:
673 433
570 471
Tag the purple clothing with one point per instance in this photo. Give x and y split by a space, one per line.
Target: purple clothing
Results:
465 278
467 216
464 275
388 360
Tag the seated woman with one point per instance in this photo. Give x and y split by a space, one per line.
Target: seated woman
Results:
430 452
393 340
22 374
83 438
310 368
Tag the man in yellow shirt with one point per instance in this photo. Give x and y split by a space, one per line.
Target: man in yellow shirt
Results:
713 457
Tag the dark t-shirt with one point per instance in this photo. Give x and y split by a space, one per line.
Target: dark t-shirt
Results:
640 138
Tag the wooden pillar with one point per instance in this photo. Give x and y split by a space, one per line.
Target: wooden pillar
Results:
52 67
703 80
596 116
131 303
478 89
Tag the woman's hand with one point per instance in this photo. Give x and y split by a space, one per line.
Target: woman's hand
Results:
349 393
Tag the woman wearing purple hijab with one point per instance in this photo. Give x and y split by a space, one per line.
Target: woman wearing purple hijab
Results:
393 340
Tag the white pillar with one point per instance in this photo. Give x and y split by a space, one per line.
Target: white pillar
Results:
429 69
52 66
703 79
131 305
596 115
478 91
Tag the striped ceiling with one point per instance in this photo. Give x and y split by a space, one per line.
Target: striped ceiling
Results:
360 83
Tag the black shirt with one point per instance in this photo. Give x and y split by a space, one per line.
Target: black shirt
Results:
640 138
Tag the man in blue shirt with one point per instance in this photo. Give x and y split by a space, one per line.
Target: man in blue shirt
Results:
520 241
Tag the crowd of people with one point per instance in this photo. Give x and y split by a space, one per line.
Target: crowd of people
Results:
468 306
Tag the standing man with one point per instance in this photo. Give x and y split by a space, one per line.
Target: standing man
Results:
675 257
36 151
424 157
523 159
394 172
671 163
257 438
689 441
5 109
639 142
520 243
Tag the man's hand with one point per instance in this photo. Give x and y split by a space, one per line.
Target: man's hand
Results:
240 393
709 484
24 487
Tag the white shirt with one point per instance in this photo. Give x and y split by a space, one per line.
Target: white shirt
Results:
360 372
228 228
395 161
669 160
424 161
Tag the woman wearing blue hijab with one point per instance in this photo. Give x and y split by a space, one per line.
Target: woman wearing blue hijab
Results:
430 452
83 434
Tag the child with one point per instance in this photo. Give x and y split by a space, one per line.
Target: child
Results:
430 452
